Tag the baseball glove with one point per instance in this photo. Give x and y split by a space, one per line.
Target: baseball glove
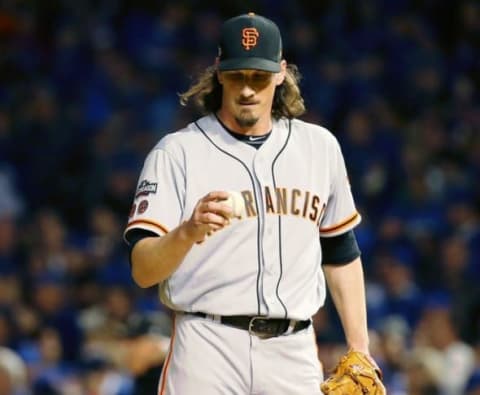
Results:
355 374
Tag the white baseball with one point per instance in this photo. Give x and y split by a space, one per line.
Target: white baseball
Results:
236 202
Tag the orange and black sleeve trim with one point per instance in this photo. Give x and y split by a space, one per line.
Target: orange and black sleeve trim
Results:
342 226
145 224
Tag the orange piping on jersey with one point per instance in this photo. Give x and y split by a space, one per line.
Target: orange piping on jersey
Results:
147 222
167 361
341 225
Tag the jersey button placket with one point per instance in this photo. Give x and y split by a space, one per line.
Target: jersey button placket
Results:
259 170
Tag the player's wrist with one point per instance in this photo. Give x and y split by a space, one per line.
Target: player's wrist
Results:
360 347
187 233
364 351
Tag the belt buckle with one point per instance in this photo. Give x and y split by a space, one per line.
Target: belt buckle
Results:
258 334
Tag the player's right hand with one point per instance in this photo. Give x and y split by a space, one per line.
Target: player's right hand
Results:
209 215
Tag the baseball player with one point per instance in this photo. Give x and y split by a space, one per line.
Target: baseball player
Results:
245 283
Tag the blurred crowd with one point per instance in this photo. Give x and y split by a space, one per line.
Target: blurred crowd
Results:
88 87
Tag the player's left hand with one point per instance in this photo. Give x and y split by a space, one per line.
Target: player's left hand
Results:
355 374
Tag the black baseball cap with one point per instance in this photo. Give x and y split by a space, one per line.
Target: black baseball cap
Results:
250 41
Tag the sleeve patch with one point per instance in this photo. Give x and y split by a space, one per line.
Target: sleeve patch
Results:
146 188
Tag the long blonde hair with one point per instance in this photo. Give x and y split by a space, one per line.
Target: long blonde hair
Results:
206 94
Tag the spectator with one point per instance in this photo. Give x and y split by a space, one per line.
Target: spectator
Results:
437 330
13 373
424 369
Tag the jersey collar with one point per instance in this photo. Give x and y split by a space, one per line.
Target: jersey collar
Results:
223 139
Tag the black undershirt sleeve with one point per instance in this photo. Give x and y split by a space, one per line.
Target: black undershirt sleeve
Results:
339 249
134 236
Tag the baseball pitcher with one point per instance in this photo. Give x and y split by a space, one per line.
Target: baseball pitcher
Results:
242 218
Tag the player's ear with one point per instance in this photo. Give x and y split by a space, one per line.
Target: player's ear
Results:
280 76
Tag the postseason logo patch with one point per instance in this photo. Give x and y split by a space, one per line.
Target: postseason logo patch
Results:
146 188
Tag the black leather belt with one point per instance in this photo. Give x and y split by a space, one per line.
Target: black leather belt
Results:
262 327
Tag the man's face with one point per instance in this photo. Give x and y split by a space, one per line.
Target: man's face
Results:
248 95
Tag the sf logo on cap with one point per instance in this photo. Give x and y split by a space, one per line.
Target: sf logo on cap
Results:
249 37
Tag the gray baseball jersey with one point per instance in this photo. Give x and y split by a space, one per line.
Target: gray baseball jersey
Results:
268 262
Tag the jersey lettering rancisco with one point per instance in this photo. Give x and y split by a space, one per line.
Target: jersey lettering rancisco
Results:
286 201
